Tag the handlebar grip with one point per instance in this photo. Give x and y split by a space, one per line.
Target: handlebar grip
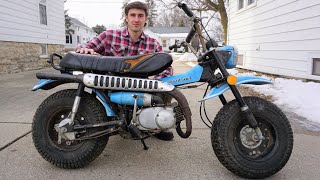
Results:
173 46
191 34
185 9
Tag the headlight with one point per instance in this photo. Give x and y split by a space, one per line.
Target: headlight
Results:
232 60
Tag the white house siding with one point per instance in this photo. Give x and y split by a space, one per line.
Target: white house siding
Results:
277 36
20 21
25 43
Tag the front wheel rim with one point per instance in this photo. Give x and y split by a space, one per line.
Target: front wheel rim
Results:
56 118
247 144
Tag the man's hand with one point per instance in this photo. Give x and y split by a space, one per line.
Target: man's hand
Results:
85 51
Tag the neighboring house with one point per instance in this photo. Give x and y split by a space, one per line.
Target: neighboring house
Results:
166 36
82 34
29 32
277 36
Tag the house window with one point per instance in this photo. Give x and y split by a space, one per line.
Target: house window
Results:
78 28
69 39
316 66
164 43
86 30
251 2
43 50
240 4
43 14
244 5
78 39
240 60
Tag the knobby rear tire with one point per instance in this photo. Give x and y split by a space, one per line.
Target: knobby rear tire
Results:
78 154
252 159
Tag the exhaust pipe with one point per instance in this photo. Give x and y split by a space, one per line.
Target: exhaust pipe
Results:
184 105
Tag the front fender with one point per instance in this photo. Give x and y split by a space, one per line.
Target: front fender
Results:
216 91
47 84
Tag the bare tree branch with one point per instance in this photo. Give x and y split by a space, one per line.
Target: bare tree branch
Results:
213 6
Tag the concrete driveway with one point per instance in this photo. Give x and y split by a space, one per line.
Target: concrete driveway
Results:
191 158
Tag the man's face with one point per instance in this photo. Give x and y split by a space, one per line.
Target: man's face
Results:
136 19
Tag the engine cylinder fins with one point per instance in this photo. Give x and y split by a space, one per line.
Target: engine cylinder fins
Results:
126 83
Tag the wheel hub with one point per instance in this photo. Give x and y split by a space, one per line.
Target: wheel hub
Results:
249 137
61 134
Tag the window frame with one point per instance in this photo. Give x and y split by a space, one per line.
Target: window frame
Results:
239 4
253 1
43 15
68 38
246 5
311 56
78 39
164 43
315 61
43 54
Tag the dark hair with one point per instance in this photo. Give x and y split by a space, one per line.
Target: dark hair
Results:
136 5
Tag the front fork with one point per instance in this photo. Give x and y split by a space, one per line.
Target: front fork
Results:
76 103
243 106
70 119
65 125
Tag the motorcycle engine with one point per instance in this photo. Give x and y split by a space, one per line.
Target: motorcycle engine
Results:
155 118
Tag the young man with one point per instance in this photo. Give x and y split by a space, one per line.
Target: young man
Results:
128 41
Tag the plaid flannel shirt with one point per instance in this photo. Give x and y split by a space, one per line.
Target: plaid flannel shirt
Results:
119 43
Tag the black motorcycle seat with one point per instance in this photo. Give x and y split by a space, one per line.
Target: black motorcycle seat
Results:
140 65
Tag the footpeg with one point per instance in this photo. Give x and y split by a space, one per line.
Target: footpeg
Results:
135 132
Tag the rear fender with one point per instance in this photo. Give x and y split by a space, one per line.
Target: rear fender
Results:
216 91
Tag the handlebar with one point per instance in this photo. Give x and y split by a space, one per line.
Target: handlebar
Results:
186 9
172 47
177 45
191 34
196 28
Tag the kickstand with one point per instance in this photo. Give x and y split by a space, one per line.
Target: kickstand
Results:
145 147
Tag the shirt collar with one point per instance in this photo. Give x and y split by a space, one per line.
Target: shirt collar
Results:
125 33
143 36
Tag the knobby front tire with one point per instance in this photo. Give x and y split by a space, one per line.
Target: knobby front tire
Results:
237 146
